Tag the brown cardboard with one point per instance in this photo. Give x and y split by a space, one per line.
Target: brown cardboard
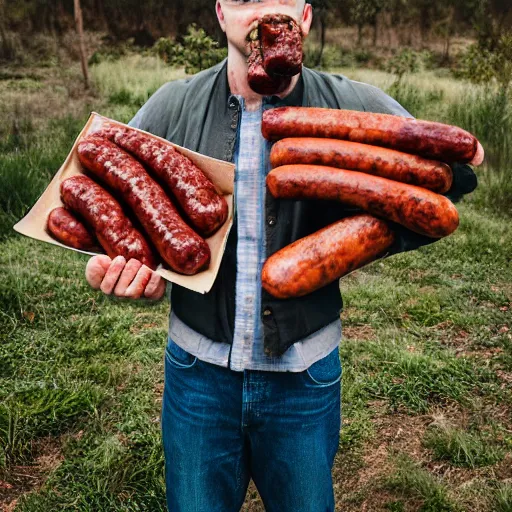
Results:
221 173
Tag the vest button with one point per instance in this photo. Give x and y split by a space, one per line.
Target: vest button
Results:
267 312
271 221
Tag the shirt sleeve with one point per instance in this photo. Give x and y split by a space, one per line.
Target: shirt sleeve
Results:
135 122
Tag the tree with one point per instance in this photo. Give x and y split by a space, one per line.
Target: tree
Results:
80 30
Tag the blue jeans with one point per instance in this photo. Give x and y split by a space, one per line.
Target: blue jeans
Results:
221 428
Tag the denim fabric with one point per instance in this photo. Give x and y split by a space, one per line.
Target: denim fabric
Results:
221 428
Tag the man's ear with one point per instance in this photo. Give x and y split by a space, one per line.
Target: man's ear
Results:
220 16
307 19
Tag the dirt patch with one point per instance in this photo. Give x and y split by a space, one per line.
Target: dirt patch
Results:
16 481
358 487
358 332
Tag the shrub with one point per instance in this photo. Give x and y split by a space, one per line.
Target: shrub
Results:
482 65
407 61
198 51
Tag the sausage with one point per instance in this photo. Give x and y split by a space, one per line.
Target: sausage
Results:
259 80
178 245
418 209
318 259
387 163
66 228
281 45
105 216
195 193
425 138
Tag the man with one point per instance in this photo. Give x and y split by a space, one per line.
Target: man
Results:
252 383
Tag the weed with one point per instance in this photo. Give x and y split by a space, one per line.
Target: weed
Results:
462 448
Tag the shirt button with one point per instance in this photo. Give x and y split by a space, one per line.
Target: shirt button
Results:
248 300
247 337
271 221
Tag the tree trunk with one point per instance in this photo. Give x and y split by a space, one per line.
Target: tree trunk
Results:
80 30
322 38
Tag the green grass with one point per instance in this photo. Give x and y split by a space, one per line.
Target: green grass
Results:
415 482
423 331
462 448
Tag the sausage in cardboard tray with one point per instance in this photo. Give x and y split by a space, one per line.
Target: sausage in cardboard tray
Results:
105 216
178 245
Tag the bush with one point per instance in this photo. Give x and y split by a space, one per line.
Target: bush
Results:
170 51
481 65
407 61
198 51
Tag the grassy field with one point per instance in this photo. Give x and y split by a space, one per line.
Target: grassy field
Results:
426 350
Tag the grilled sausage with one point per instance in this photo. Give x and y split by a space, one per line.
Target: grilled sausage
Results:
318 259
178 245
281 45
418 209
66 228
105 216
425 138
196 194
259 80
375 160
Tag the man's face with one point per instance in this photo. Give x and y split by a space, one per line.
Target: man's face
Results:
238 18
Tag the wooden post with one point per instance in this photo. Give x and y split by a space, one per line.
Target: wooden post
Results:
80 30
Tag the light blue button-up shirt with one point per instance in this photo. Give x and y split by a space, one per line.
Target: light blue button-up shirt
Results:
246 352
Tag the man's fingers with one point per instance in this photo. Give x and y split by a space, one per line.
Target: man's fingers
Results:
155 288
129 272
112 275
96 269
136 289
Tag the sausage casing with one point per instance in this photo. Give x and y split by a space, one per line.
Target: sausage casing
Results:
384 162
105 216
425 138
178 245
192 189
322 257
66 228
418 209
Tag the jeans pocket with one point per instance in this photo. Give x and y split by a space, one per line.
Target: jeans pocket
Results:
177 356
324 372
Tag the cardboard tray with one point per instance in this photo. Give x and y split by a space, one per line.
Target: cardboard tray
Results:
221 173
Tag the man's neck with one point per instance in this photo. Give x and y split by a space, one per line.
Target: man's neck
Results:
238 84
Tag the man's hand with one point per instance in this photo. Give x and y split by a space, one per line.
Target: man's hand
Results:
129 280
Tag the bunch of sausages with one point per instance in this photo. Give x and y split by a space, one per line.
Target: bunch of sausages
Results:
392 168
139 198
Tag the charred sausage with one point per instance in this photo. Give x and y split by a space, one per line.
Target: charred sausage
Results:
178 245
105 216
192 189
318 259
281 45
425 138
66 228
259 80
387 163
418 209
